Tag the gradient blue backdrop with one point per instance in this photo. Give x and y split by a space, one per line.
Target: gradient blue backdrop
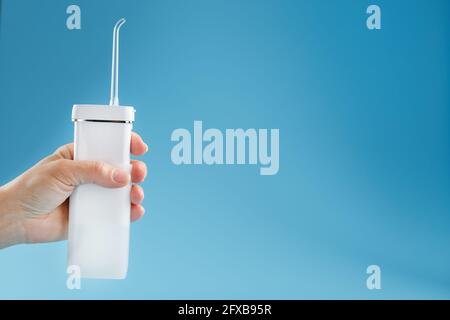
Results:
364 151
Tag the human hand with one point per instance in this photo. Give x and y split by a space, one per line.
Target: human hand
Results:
34 206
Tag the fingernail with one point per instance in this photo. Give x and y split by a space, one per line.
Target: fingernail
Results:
120 176
146 147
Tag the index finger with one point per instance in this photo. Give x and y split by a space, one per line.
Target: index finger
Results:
138 146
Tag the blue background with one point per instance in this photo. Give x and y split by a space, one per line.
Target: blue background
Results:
364 143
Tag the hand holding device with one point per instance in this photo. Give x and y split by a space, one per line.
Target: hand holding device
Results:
34 206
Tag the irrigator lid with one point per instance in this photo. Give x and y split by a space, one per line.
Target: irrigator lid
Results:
93 112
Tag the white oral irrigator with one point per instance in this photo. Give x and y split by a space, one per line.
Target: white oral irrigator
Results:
99 218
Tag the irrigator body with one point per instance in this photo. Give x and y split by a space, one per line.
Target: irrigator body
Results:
99 220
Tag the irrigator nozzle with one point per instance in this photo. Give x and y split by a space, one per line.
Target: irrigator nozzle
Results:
114 101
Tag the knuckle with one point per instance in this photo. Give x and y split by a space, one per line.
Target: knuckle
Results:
59 165
59 171
98 167
62 151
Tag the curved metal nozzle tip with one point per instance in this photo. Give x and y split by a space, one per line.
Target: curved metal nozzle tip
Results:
119 23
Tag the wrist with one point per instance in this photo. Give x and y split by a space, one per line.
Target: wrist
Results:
11 226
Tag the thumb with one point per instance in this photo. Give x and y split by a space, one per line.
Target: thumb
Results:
76 172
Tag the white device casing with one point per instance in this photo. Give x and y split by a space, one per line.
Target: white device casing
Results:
99 217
